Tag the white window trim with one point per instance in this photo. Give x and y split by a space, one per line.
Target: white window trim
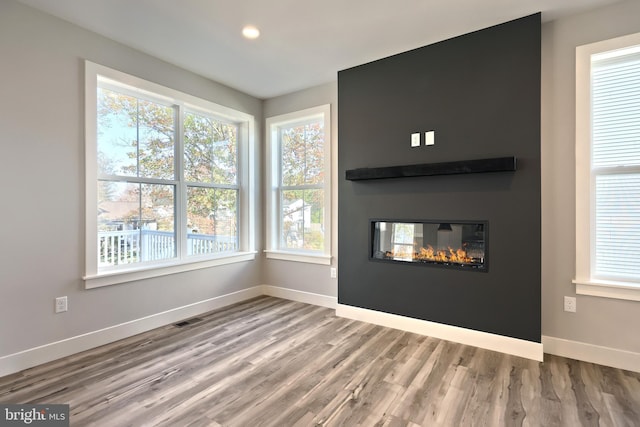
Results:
298 257
272 169
584 280
246 166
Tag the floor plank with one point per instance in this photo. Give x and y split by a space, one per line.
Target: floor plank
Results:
271 362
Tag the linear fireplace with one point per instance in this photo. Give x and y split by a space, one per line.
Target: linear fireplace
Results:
450 244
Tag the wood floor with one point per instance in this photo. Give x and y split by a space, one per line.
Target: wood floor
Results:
279 363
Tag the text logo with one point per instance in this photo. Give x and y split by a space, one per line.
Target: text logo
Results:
34 415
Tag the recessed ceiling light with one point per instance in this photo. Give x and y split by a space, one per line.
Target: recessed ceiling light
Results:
251 32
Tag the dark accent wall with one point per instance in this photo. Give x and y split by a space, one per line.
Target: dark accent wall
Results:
480 92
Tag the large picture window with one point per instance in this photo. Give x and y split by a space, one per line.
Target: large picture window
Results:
166 187
608 168
299 197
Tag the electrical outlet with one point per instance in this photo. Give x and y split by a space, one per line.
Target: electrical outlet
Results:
334 272
430 137
61 304
570 304
415 140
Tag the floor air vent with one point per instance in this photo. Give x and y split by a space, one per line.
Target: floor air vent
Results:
187 322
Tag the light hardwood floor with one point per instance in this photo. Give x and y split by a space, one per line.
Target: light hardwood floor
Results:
274 362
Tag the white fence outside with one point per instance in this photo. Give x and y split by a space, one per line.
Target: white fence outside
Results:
131 246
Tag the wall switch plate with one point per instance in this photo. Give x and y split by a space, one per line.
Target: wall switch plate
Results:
570 304
61 304
334 272
430 137
415 139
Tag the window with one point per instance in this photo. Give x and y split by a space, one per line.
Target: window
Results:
166 180
608 168
299 211
402 236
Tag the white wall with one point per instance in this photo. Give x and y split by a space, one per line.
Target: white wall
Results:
303 277
42 175
598 321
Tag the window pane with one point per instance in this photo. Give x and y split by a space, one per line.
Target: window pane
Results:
135 223
117 134
617 226
212 215
303 154
302 220
616 111
135 137
155 140
210 150
403 233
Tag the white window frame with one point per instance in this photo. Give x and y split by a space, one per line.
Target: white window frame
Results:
94 277
395 243
586 283
273 250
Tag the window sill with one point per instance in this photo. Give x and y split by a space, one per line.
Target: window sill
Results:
117 277
299 257
608 289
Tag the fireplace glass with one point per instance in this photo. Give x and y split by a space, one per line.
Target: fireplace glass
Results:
460 245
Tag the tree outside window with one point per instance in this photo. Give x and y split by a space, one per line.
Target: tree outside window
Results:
298 205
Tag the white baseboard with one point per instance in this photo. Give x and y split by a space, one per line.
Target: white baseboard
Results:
514 346
46 353
300 296
576 350
592 353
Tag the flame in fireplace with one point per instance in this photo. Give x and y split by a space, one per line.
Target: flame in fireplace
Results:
458 256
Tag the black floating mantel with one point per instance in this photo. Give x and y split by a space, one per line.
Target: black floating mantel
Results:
498 164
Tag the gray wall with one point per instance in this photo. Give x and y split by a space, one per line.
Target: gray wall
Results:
295 275
600 321
480 92
42 175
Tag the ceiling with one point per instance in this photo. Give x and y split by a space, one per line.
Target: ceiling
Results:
303 43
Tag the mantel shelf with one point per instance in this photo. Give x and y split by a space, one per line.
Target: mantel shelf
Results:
497 164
